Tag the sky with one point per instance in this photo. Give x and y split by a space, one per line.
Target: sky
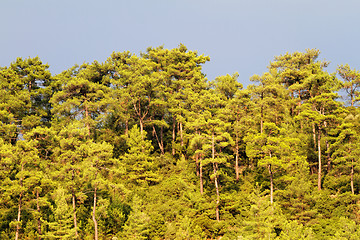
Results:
239 35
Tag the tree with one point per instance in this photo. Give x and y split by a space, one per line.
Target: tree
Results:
238 111
137 225
273 150
346 149
323 111
8 162
35 78
135 80
25 93
297 72
41 140
69 168
98 162
352 82
182 78
80 98
307 81
138 162
270 99
216 135
61 227
21 186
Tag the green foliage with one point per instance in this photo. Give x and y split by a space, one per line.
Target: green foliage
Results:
61 225
145 147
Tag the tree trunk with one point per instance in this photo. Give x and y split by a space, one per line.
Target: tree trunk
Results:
162 134
38 210
74 205
352 96
319 159
271 184
237 158
19 208
160 143
18 218
352 177
74 212
217 194
126 127
215 179
328 156
262 121
197 164
162 138
298 113
87 119
141 128
94 217
181 135
314 135
201 176
173 136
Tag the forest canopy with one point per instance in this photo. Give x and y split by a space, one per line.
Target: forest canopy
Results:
146 147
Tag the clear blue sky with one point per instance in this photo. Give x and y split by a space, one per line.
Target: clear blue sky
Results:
239 35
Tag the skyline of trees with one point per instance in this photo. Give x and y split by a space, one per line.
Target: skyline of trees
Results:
146 147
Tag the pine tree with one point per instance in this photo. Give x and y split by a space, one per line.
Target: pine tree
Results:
351 82
69 168
78 97
25 93
346 150
8 200
136 226
135 80
216 135
323 111
182 79
138 162
61 227
99 165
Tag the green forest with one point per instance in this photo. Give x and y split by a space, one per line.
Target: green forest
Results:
146 147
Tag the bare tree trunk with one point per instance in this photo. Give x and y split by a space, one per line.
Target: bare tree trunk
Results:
87 119
38 210
162 133
94 217
161 146
215 179
237 158
197 164
299 104
74 213
328 156
201 176
74 205
319 159
141 128
352 176
126 127
217 194
162 138
352 96
18 218
314 135
19 208
173 136
181 135
262 121
271 184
